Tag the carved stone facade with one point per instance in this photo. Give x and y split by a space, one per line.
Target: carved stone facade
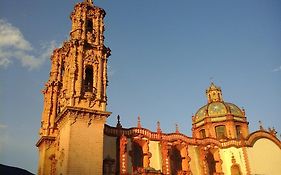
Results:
195 155
75 98
74 137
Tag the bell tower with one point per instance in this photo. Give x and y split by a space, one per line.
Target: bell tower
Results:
74 113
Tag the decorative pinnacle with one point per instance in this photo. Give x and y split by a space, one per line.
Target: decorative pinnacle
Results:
118 122
139 122
158 127
261 127
89 2
177 128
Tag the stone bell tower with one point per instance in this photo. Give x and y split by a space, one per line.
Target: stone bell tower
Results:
74 114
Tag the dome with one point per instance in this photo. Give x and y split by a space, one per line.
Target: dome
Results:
216 107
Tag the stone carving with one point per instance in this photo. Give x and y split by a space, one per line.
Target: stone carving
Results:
61 157
123 154
53 164
65 92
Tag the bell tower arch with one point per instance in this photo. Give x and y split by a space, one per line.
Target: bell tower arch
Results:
74 113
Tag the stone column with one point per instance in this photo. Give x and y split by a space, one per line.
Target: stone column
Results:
123 156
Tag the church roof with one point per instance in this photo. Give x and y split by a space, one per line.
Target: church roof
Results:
216 107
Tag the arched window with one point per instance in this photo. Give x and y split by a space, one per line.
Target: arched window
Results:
220 132
175 160
88 83
238 131
211 163
202 133
137 157
89 25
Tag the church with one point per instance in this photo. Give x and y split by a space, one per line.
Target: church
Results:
75 139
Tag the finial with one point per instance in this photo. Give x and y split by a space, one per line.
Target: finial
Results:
139 122
261 127
89 1
272 131
118 122
177 128
243 111
158 127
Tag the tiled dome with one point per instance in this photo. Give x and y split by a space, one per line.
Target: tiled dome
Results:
216 107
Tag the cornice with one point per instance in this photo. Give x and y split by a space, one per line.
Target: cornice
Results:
172 137
45 138
82 112
219 119
253 137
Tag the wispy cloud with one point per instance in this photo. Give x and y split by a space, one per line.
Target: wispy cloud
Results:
13 46
278 69
2 126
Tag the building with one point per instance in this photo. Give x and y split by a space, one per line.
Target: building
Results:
75 139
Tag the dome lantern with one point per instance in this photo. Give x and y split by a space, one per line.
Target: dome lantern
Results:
214 93
219 119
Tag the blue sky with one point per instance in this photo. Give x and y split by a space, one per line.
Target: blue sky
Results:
164 56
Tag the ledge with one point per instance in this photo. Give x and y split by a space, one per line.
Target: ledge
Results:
172 137
81 110
44 138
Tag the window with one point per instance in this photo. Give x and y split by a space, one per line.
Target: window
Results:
176 161
202 133
238 131
220 132
88 79
89 26
137 156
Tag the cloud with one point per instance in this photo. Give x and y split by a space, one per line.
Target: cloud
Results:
278 69
4 62
13 46
3 126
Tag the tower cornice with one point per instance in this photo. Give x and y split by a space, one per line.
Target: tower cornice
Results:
42 139
77 111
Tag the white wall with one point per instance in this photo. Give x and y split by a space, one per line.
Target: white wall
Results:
156 159
265 157
194 163
226 157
